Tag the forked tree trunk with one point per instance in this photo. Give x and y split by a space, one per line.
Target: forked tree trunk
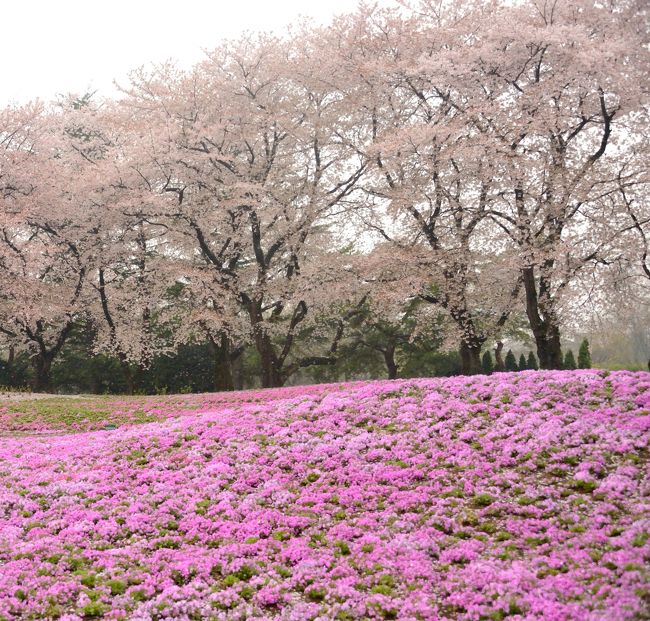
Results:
42 360
543 322
549 350
273 364
471 340
270 371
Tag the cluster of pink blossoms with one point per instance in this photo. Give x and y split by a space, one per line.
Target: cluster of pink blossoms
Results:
514 496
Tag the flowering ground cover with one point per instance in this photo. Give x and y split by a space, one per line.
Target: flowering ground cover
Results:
514 496
39 413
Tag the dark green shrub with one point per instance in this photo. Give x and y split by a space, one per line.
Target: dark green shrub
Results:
569 360
486 363
511 361
584 355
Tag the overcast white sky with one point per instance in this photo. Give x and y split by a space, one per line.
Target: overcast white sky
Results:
60 46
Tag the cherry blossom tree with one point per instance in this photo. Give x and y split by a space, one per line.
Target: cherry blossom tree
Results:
431 176
489 119
564 93
43 239
249 144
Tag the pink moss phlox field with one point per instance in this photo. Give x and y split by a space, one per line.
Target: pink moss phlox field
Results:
95 412
514 496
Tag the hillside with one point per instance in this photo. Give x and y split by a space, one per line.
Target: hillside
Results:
522 495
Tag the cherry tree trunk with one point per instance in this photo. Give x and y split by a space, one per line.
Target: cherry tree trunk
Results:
42 367
499 364
391 365
223 376
470 357
542 321
471 340
128 376
270 373
549 351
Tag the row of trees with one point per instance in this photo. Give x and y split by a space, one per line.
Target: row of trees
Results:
192 367
435 172
530 362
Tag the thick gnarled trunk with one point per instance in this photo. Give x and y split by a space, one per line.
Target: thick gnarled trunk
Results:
42 367
470 356
270 371
223 375
44 355
271 375
549 350
274 363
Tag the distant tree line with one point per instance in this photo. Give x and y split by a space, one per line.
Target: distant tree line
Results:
526 363
193 367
